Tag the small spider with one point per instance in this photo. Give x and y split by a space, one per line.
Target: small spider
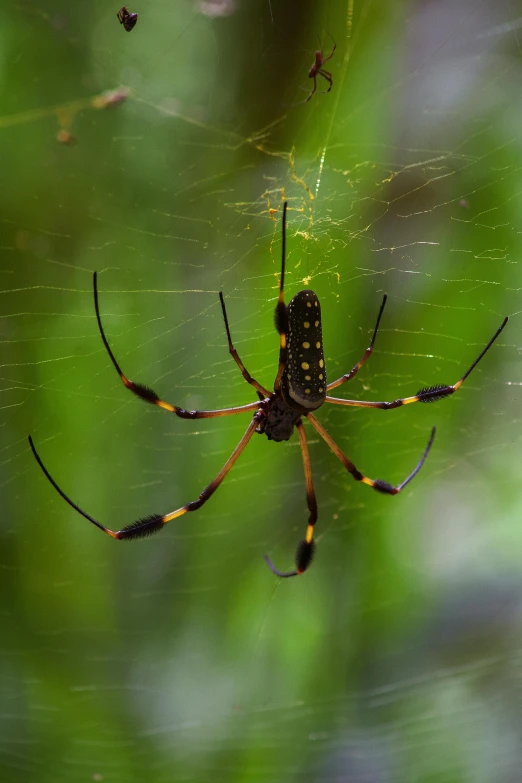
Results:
127 19
318 70
300 388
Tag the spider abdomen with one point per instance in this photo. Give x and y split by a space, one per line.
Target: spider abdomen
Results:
304 380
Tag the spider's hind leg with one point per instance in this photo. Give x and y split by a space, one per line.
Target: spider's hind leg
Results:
149 395
261 391
426 394
280 315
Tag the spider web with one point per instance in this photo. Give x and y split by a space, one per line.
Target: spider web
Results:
160 159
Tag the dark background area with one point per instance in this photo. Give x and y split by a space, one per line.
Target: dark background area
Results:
181 658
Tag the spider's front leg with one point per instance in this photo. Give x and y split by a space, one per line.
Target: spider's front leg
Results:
331 53
377 484
142 528
314 77
328 76
306 547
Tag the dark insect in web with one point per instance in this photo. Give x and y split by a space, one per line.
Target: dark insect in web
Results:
127 19
300 388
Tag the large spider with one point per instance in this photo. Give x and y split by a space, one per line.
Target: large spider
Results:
300 387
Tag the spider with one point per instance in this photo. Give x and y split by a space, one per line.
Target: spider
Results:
318 70
127 19
300 388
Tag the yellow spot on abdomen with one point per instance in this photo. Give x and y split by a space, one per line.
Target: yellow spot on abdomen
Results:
321 363
318 345
306 324
305 365
306 345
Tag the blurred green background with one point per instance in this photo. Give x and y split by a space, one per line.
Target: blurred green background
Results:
397 657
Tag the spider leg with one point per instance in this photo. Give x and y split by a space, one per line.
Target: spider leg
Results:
262 392
314 88
306 548
366 355
328 76
427 394
149 395
142 528
380 486
331 53
281 319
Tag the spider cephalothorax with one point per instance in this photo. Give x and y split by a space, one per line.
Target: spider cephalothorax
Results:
300 387
277 420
